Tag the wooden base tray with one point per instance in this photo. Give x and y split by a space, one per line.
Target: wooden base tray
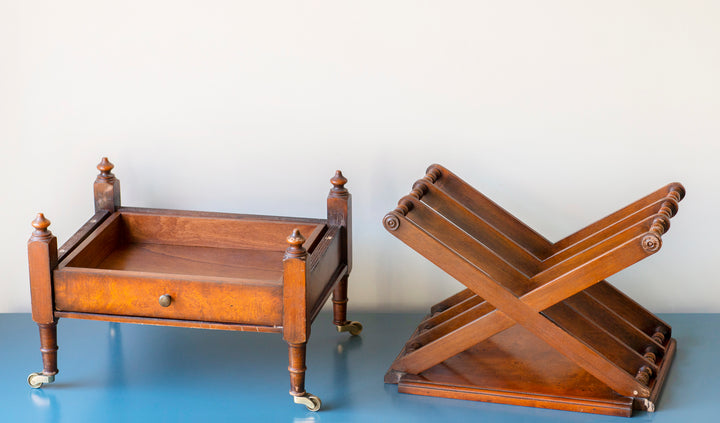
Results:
515 367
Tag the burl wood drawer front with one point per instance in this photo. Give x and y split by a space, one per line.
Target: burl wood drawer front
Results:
138 294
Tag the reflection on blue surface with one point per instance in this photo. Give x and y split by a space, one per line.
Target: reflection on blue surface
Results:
133 373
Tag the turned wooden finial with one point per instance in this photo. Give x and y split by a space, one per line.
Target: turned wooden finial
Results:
296 240
105 168
338 181
41 227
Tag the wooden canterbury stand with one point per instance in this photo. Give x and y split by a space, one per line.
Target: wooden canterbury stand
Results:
194 269
538 325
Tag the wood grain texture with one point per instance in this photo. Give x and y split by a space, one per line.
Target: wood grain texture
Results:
193 269
193 298
517 278
211 232
515 367
261 265
296 320
48 347
168 322
42 259
81 234
106 188
330 249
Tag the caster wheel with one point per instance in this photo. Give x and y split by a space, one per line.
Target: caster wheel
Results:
36 380
310 401
353 327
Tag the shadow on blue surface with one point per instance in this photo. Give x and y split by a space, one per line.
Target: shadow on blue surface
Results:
113 372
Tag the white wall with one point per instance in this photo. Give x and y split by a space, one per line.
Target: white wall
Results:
561 111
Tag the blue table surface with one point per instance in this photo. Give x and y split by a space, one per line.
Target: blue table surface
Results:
112 372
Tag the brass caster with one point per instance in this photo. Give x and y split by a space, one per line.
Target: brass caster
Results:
310 401
353 327
36 380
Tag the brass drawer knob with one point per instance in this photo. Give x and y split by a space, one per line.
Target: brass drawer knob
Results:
165 300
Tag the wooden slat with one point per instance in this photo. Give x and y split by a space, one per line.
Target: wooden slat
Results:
495 215
475 226
598 338
452 324
648 213
452 301
466 246
614 217
573 267
574 279
613 323
457 309
628 309
516 310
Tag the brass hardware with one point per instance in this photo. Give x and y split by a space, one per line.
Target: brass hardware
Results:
353 327
36 380
310 401
165 300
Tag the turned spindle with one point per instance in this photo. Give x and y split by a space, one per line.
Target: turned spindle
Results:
297 369
659 335
643 375
651 354
432 173
412 346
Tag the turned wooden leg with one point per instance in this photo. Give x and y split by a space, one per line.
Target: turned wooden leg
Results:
297 369
297 378
340 300
296 326
42 257
48 348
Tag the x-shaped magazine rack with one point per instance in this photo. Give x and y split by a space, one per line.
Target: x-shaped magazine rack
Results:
537 325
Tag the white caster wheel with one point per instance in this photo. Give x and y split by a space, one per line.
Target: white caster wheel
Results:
310 401
36 380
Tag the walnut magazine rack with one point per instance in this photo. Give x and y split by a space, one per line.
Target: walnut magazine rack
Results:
537 325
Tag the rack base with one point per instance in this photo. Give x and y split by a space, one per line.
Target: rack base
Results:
515 367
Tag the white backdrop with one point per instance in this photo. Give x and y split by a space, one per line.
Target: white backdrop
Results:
561 112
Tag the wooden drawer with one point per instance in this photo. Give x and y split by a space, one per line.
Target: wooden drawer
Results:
127 293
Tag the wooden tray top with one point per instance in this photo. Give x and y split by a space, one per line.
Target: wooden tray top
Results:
192 244
212 267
